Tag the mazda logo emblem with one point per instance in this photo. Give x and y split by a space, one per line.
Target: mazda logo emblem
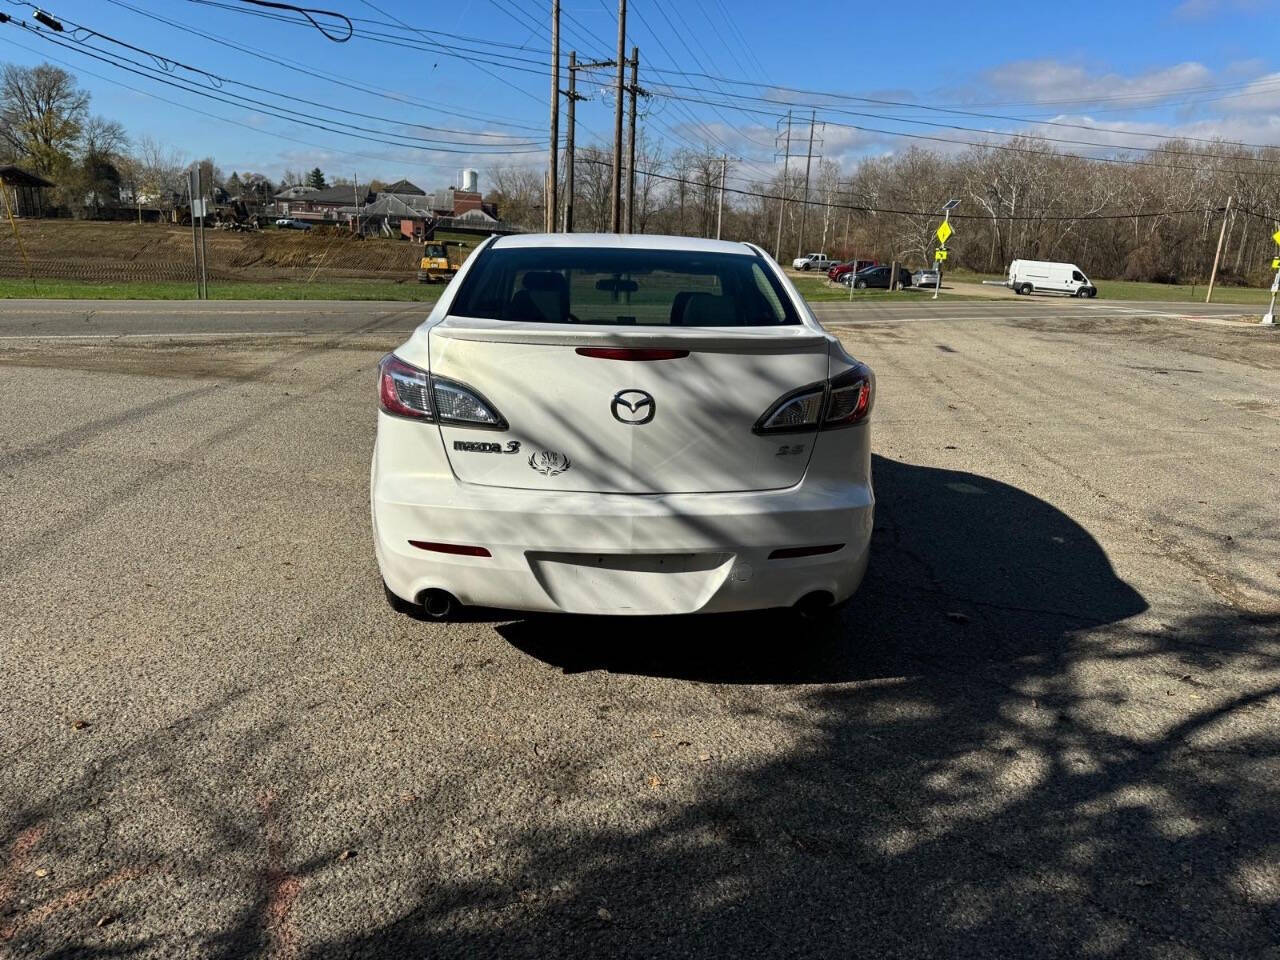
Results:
633 407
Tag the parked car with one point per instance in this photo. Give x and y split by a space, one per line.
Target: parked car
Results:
849 266
547 439
813 261
926 277
284 223
1043 276
877 278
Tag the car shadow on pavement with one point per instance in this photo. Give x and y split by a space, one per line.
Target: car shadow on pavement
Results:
1028 768
961 566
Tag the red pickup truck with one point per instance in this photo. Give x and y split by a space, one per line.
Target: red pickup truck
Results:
850 266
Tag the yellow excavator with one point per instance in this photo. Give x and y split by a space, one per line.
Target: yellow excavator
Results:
440 261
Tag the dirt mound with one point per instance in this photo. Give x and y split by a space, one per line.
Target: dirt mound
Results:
118 252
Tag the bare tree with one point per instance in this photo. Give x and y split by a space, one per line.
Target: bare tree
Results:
42 114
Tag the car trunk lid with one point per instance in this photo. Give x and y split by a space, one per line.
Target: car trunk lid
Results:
583 418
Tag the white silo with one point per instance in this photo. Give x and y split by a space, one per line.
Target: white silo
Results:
471 180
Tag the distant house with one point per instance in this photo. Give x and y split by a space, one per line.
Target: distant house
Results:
402 188
317 206
24 191
399 209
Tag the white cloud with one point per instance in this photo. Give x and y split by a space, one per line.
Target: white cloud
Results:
1200 9
1054 80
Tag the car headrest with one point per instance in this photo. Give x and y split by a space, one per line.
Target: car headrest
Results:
678 304
545 280
709 310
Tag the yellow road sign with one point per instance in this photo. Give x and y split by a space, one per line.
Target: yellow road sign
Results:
945 231
1275 264
1276 237
939 254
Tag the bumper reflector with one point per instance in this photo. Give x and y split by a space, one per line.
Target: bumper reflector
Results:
790 553
460 549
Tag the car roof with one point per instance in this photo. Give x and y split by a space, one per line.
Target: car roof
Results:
642 241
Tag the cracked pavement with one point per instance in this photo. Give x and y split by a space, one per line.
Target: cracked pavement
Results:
1046 726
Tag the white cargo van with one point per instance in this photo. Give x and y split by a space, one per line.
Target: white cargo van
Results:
1041 276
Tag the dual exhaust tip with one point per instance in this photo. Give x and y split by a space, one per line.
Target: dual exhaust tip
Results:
438 604
441 605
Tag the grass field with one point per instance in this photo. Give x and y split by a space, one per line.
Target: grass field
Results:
1132 290
243 290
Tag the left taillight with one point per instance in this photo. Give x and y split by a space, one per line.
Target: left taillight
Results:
413 393
404 390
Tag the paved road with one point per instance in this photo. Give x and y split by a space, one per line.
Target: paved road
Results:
24 318
1047 726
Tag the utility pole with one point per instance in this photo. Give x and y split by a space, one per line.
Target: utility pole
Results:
1222 235
568 146
571 133
204 260
804 210
553 206
193 187
848 217
782 198
615 196
631 142
724 172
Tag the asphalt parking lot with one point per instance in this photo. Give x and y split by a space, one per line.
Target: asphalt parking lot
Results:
1047 726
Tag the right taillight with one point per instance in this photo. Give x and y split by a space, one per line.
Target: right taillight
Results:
849 397
842 401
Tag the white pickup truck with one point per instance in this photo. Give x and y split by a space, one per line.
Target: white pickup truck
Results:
813 261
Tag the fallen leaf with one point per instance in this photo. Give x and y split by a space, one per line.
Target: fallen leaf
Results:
41 872
655 781
106 920
956 617
604 914
347 854
657 734
80 725
704 757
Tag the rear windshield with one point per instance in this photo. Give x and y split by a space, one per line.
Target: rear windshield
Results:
623 287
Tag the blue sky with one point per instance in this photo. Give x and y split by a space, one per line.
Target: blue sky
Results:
1203 68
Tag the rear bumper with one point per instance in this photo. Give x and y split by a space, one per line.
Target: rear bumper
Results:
617 553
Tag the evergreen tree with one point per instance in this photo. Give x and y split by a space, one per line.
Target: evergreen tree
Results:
316 179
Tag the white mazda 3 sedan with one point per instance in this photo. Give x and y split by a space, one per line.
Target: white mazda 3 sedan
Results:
611 424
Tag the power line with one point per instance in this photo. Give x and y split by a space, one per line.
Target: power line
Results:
857 208
292 116
919 106
1002 146
930 123
393 96
166 62
214 116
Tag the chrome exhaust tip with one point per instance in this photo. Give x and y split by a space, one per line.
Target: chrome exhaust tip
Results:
437 604
814 606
